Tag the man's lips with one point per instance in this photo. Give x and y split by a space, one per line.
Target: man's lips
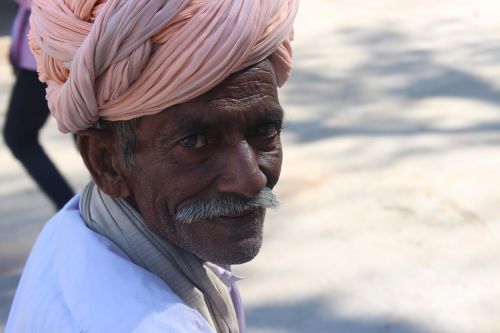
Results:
239 214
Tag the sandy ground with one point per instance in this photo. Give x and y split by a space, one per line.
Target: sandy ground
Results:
390 220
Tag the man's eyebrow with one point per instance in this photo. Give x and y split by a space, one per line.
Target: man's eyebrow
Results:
189 124
274 115
185 125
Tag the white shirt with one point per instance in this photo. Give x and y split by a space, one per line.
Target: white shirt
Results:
75 280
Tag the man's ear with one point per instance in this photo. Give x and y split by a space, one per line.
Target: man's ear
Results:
100 153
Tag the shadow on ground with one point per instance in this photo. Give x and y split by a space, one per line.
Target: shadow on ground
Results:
311 315
406 74
313 130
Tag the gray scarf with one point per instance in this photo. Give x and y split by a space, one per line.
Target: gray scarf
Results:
187 275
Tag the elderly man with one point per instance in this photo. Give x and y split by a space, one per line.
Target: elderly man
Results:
178 119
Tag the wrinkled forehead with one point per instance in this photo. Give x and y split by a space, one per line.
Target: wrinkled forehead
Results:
244 97
254 81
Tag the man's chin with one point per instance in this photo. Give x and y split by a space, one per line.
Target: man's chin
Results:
242 252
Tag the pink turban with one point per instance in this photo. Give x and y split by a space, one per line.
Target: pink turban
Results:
122 59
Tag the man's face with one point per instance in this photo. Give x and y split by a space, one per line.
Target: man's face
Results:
225 143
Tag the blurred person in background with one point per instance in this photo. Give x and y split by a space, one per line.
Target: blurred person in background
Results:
176 107
27 113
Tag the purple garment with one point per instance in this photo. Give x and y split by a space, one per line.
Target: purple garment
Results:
229 279
238 307
20 54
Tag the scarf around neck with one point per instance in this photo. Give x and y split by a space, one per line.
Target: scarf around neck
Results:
186 274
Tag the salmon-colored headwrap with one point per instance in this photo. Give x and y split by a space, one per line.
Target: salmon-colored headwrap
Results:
122 59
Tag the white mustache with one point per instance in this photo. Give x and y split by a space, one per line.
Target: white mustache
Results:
227 206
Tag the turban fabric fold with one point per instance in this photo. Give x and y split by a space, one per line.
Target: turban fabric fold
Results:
122 59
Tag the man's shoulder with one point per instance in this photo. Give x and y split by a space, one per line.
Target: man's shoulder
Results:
82 280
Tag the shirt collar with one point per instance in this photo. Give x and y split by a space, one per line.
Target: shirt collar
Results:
224 273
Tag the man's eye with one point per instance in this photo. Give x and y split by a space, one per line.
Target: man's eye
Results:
267 130
194 141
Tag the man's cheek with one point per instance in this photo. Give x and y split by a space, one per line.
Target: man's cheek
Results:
270 164
192 183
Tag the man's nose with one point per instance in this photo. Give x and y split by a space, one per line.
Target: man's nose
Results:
240 172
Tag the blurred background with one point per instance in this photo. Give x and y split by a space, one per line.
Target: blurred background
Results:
390 221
